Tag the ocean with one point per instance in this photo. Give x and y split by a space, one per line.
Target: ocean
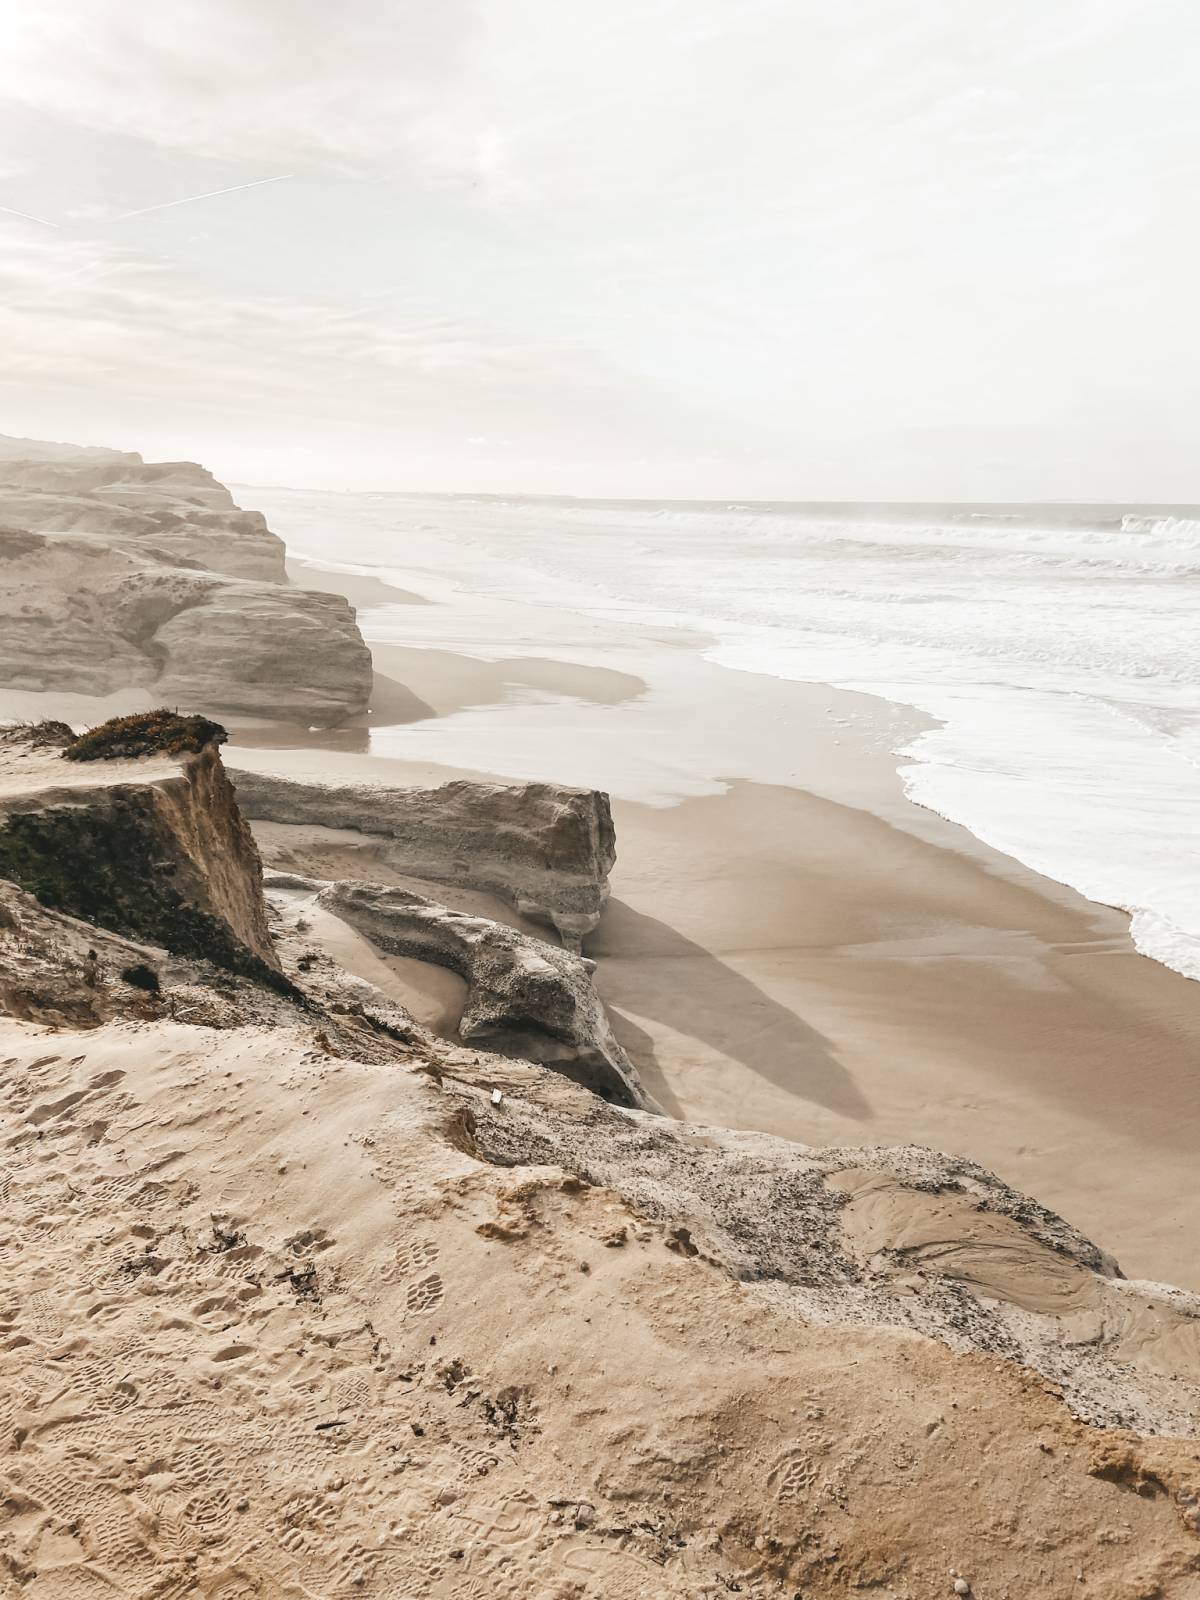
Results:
1057 648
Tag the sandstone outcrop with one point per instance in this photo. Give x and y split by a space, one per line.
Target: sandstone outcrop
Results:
525 998
16 448
88 616
176 506
117 576
59 971
155 849
545 848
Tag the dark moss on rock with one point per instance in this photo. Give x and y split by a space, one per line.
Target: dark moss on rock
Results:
114 866
147 733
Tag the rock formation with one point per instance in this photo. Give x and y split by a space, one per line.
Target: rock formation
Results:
119 575
545 848
524 997
13 448
154 848
175 506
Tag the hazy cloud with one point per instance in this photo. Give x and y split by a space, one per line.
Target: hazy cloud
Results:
744 246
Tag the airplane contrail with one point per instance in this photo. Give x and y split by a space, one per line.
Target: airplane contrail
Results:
210 195
8 211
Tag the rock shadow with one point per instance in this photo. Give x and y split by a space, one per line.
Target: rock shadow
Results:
647 967
639 1047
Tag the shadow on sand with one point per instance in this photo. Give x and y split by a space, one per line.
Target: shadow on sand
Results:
648 968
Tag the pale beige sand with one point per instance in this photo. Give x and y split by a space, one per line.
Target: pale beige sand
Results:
361 591
80 710
777 961
827 961
270 1331
432 995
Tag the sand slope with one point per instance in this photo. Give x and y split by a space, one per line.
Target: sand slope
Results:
270 1328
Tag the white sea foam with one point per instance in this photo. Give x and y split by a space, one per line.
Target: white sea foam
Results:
1062 661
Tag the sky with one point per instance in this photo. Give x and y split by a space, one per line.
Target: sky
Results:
777 249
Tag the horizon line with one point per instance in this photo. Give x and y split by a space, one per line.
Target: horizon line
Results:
735 502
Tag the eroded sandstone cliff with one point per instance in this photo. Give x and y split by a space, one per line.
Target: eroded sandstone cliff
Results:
176 506
118 575
302 1301
525 997
154 848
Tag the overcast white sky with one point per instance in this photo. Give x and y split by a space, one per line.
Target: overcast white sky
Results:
771 248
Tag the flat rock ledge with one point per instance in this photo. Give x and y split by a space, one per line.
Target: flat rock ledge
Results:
544 848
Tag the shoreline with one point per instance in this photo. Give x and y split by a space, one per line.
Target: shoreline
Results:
1051 658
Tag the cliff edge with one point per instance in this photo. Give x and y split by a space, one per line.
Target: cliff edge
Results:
153 847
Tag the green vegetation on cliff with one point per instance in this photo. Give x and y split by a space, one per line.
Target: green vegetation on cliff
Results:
147 733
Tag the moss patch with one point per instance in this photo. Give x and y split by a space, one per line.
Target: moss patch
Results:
148 733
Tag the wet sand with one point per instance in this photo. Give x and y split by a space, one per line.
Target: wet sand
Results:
775 960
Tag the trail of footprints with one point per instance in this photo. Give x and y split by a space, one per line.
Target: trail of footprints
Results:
132 1469
189 1412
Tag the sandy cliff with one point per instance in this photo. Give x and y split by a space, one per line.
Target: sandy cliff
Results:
121 575
155 848
301 1301
176 506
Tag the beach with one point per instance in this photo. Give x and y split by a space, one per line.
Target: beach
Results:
792 945
356 1114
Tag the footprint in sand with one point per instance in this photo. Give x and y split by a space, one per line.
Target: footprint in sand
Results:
425 1295
508 1522
74 1583
111 1191
792 1477
478 1463
410 1257
110 1528
208 1512
200 1463
43 1314
353 1391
